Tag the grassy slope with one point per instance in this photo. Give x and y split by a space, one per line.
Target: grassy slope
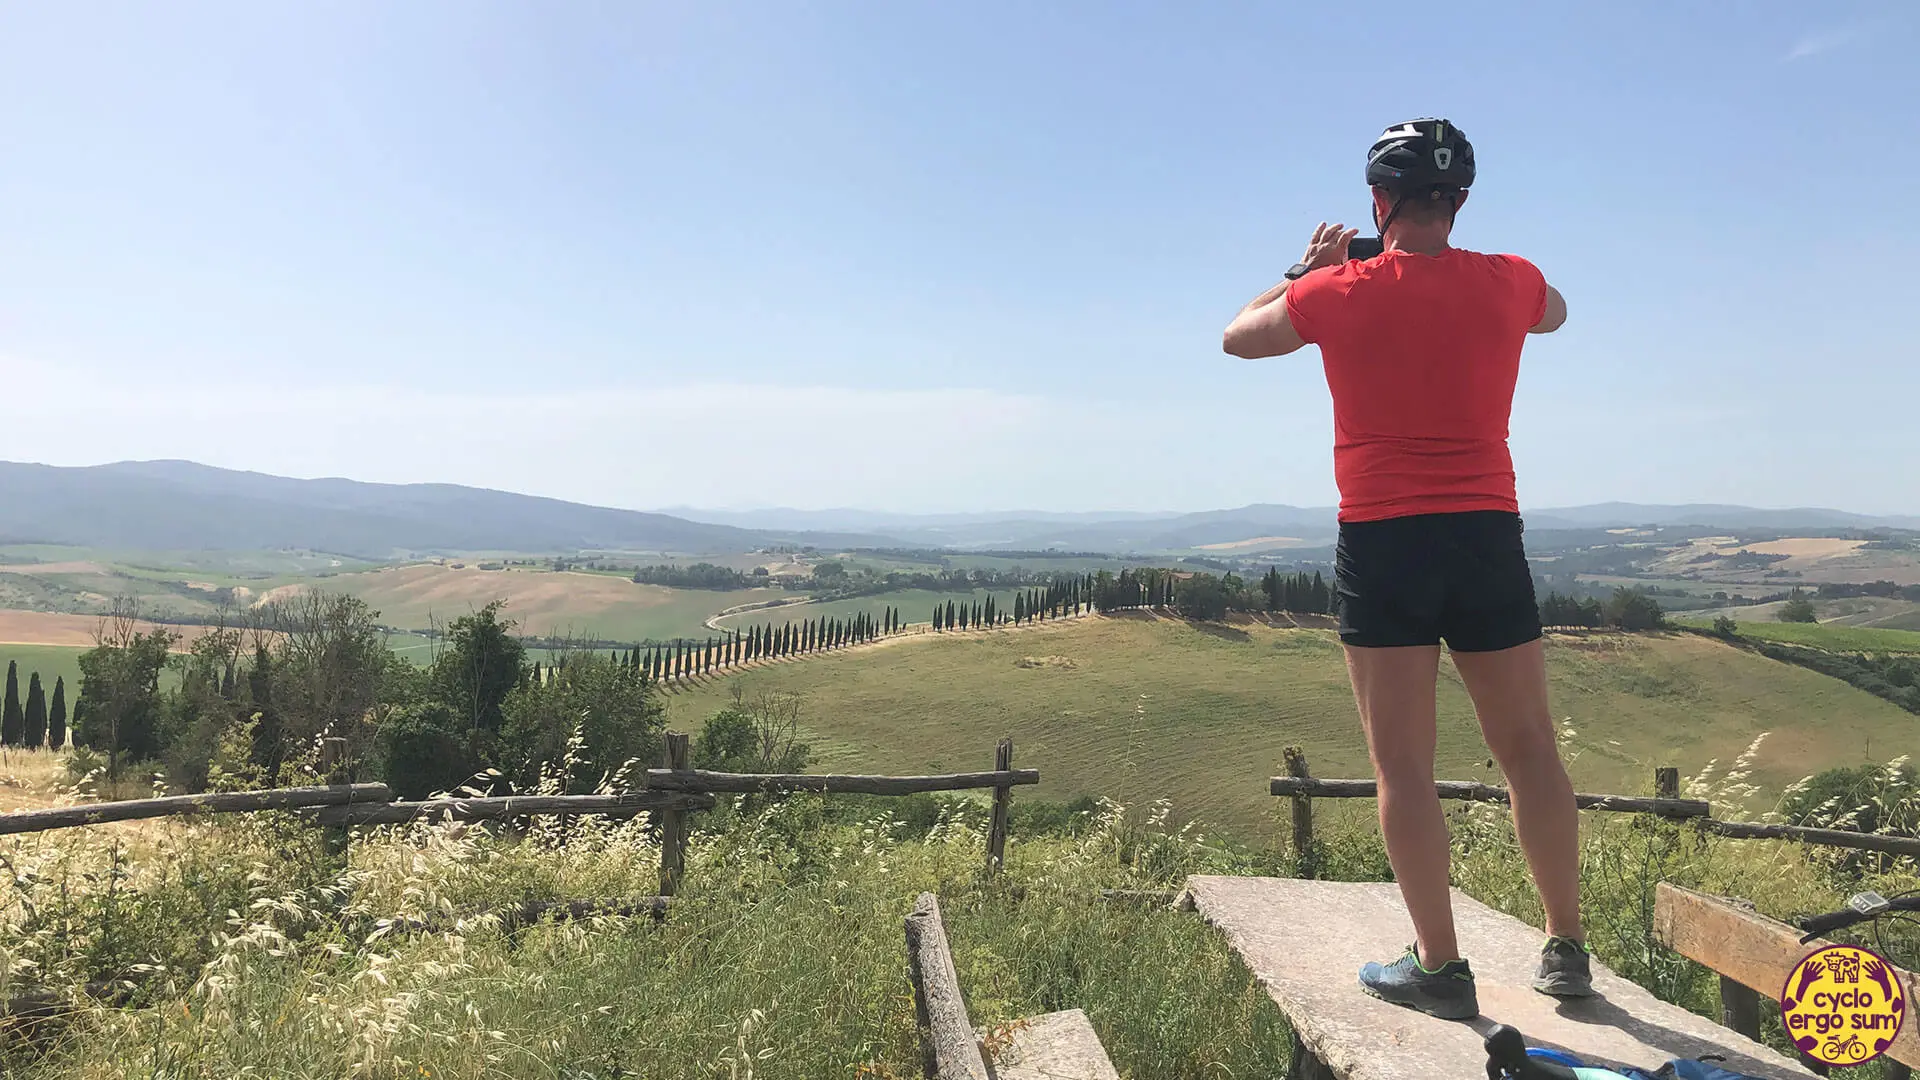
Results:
916 606
1826 635
1155 708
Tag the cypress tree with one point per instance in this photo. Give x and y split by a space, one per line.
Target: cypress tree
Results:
949 613
12 722
36 720
57 715
937 612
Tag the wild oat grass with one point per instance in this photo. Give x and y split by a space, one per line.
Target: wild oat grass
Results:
240 947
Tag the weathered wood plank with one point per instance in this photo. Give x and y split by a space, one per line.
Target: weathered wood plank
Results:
514 918
1303 851
1002 808
479 809
1739 1008
1306 940
226 802
1056 1046
1747 830
1747 947
674 827
702 780
1472 791
949 1049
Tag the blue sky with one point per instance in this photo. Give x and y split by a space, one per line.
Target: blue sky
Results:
935 257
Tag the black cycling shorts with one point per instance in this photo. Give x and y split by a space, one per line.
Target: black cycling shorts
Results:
1418 580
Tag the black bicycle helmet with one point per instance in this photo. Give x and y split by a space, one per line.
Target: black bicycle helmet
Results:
1421 155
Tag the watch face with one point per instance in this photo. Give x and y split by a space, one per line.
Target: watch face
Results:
1297 271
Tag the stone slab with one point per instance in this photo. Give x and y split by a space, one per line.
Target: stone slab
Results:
1057 1046
1305 942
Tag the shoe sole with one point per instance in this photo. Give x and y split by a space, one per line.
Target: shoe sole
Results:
1453 1015
1559 987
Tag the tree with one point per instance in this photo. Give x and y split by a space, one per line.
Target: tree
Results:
949 614
753 736
332 671
36 718
482 663
1724 626
1633 609
57 715
119 706
1797 609
830 573
13 724
619 721
1203 597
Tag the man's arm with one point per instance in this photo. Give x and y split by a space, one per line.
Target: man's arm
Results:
1556 315
1263 327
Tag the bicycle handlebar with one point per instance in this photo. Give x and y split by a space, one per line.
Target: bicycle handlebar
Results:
1816 925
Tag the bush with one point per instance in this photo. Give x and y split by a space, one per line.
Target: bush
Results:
1725 627
1797 609
425 750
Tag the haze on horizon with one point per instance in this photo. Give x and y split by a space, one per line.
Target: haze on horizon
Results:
689 256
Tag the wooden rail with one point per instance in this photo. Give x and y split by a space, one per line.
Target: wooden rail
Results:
1302 788
1472 791
948 1048
226 802
702 780
480 809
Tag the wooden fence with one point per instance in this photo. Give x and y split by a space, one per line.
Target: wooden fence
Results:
1303 788
671 793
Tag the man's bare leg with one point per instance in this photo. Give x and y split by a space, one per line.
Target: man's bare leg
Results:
1509 691
1394 688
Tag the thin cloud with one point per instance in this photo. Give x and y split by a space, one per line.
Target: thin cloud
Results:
1827 41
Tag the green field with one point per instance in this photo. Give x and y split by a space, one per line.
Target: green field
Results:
916 606
1832 636
50 661
1142 708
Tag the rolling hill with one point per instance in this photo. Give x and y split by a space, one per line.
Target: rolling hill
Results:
1139 708
179 505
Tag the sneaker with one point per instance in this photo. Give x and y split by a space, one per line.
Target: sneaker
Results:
1564 969
1447 993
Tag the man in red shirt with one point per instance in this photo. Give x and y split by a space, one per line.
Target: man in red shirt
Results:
1421 345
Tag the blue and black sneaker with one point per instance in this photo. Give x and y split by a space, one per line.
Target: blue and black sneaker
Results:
1565 970
1446 992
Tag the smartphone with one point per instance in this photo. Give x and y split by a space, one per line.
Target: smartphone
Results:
1364 247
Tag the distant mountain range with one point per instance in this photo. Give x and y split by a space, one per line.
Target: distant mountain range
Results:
1242 527
180 505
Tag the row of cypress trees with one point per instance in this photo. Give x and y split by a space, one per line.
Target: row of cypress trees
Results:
683 658
1059 599
37 723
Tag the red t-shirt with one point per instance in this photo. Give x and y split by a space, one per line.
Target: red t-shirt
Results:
1421 353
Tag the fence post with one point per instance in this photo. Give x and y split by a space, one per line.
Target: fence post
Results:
1002 805
1666 782
1306 859
1739 1008
333 770
673 823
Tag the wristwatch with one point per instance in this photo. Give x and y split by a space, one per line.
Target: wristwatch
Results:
1297 271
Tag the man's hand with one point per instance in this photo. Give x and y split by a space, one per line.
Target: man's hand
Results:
1328 246
1262 327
